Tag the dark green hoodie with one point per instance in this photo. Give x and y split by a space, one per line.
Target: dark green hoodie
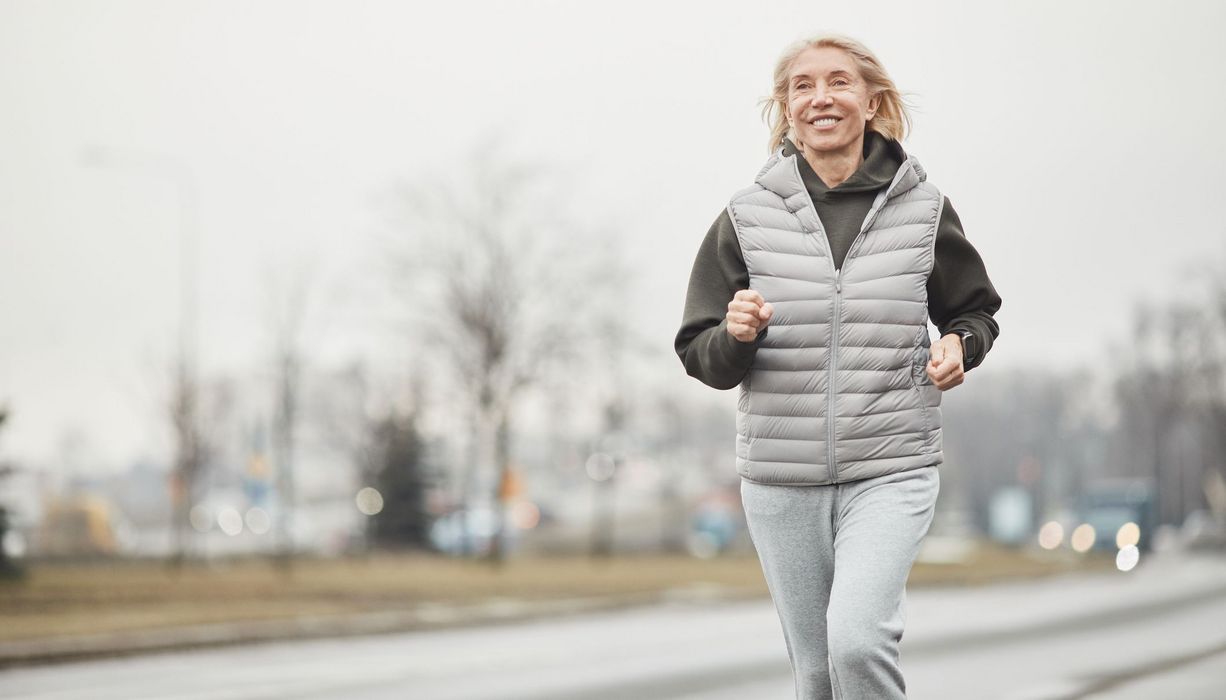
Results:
960 295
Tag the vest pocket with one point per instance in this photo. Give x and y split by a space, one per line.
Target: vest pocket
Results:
926 393
919 360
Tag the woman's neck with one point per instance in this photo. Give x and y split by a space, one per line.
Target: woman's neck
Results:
835 168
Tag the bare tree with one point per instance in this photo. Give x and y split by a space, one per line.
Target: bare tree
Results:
499 279
288 296
1211 351
1172 396
184 408
5 468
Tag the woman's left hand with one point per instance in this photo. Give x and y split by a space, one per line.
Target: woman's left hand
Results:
945 367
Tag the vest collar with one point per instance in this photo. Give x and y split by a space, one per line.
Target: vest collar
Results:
781 176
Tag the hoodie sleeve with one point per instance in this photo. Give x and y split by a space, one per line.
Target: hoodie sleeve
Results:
960 295
703 343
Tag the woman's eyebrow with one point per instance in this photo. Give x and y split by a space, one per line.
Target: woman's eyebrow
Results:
837 72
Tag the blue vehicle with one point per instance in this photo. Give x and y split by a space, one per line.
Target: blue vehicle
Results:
1109 505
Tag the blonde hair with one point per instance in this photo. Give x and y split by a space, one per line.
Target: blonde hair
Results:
892 119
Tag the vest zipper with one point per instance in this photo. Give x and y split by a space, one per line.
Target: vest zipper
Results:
836 313
831 389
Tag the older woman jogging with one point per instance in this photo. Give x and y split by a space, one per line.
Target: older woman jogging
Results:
812 292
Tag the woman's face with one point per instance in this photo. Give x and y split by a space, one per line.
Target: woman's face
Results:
828 102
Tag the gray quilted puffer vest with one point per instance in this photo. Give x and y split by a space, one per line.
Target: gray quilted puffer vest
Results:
837 391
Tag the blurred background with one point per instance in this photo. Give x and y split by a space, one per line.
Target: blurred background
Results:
345 311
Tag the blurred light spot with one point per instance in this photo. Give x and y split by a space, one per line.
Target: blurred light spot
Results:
1127 558
525 515
14 545
482 522
600 466
1051 535
229 521
1129 535
702 544
201 519
642 475
369 501
1083 538
258 520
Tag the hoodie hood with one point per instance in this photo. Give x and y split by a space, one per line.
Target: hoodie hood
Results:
882 159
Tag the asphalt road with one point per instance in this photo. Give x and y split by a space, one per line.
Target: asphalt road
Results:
1157 632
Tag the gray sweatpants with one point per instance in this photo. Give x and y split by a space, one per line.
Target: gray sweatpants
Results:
836 560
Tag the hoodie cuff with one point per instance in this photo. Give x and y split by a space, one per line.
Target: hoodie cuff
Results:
983 339
737 353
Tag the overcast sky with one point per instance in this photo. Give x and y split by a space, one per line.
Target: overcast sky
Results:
1081 143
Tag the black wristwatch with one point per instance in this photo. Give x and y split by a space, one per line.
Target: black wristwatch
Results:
970 348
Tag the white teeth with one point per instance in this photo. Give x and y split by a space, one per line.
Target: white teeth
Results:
829 121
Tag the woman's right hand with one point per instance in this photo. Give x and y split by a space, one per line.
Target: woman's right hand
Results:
748 314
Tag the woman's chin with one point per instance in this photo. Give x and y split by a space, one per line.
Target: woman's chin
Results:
827 146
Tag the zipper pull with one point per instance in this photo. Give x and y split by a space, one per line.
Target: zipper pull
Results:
838 281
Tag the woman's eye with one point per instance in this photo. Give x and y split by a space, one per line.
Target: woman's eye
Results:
840 83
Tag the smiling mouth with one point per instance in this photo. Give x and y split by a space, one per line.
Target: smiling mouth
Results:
825 121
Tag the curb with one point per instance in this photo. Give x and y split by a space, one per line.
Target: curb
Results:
429 616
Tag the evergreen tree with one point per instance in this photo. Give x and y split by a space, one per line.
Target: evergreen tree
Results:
402 478
8 567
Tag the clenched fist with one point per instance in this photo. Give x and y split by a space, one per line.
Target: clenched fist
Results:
748 314
945 364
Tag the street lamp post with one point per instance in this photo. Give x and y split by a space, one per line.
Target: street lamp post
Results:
186 399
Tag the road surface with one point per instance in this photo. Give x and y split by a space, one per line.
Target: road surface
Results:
1157 632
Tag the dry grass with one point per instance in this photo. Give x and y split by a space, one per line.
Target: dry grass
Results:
57 600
